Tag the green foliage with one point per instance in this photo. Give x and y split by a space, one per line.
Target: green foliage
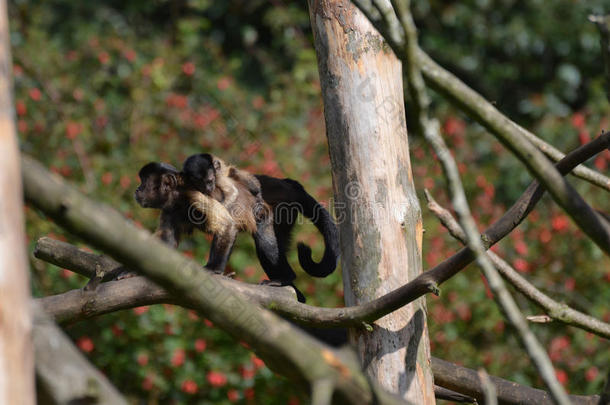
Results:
103 88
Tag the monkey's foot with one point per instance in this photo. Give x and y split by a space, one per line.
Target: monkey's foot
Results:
126 274
283 283
275 283
230 274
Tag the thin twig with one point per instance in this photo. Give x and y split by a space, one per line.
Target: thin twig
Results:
491 396
603 24
557 311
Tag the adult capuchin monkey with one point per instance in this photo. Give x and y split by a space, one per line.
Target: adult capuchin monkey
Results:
183 209
285 197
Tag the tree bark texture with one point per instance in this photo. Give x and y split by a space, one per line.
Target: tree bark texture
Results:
376 206
16 357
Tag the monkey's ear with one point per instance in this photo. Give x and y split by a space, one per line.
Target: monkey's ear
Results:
169 180
216 164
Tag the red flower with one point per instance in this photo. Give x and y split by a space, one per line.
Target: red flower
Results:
257 362
223 83
65 273
454 126
258 102
216 379
85 344
600 163
521 248
545 236
142 359
103 57
591 374
557 346
208 323
116 330
73 129
188 68
178 357
249 393
200 345
22 126
107 178
233 395
21 108
125 181
578 120
247 373
560 222
35 94
584 137
129 54
521 265
141 310
562 376
147 383
189 386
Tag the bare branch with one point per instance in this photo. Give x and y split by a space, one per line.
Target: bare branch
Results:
491 397
603 24
132 292
63 374
557 311
467 382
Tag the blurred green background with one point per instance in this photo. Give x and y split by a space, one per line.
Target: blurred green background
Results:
102 88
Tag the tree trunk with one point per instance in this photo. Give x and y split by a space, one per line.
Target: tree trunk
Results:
376 206
16 359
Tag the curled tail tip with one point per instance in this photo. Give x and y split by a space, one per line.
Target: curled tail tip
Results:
326 266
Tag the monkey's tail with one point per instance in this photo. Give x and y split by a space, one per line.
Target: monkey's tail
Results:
321 218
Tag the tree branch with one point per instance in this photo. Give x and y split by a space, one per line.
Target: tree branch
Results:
466 381
63 374
558 311
131 292
603 24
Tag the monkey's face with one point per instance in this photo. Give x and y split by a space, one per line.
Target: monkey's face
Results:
200 172
149 192
157 183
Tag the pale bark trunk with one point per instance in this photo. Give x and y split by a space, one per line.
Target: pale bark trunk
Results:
376 205
16 359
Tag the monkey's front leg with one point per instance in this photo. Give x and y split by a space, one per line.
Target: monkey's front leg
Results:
272 259
222 245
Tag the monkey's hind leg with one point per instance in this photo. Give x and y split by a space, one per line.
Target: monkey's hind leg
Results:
274 261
